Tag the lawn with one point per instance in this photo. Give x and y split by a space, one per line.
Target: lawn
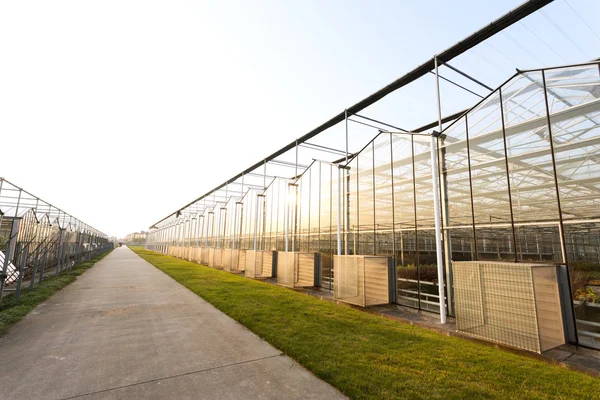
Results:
368 357
13 308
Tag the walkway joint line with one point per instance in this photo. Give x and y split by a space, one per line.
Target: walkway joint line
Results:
173 376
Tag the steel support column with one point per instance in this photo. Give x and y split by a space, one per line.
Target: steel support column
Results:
436 203
59 265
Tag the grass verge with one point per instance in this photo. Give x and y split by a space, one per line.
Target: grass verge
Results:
13 309
368 357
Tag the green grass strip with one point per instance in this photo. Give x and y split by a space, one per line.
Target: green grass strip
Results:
13 308
369 357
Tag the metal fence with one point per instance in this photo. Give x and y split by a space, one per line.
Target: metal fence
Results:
39 240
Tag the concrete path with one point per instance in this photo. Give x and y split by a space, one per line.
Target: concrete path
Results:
125 330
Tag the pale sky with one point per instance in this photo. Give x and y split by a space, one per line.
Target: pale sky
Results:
120 112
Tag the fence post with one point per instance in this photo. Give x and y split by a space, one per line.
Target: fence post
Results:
68 257
44 259
35 266
59 266
76 248
22 265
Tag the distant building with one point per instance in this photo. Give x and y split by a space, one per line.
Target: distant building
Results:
136 238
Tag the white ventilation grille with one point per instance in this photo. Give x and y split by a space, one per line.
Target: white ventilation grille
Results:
361 280
510 303
296 269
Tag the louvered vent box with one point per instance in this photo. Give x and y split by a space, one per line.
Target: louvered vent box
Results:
211 257
297 269
268 264
510 303
204 255
250 263
233 260
362 280
226 259
218 258
238 261
260 263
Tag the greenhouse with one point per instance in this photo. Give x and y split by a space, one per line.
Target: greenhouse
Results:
518 181
39 238
487 215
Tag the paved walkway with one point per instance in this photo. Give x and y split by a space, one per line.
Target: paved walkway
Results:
125 330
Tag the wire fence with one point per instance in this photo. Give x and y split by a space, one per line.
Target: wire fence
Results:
39 240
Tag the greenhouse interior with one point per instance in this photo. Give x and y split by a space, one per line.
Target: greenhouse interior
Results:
486 215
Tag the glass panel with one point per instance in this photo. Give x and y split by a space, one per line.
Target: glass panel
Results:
427 261
270 229
303 224
575 108
404 218
230 222
249 212
572 87
423 186
407 270
365 203
531 170
539 243
352 207
315 198
491 205
463 247
428 278
383 195
455 173
495 243
327 232
583 250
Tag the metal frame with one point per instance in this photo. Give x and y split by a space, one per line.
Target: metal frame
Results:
36 237
426 203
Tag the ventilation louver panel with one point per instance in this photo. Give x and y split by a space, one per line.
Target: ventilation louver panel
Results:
241 259
259 263
204 255
296 269
510 303
362 280
226 259
218 258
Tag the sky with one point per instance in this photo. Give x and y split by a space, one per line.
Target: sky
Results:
120 112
